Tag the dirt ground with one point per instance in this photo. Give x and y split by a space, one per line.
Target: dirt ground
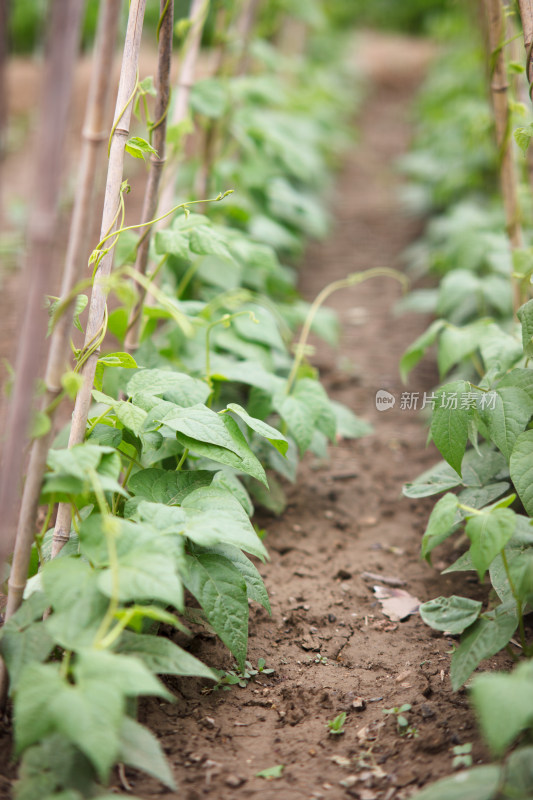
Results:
328 641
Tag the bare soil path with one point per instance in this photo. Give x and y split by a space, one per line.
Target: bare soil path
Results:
330 645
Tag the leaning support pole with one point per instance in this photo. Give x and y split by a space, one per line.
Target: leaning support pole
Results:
499 92
93 135
62 50
166 31
97 308
187 72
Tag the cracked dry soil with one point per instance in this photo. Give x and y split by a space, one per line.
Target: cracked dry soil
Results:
331 647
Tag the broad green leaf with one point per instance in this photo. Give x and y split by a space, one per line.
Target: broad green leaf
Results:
440 525
131 416
254 581
105 435
207 240
480 783
162 656
521 469
418 348
274 437
433 481
519 773
72 590
455 344
508 419
186 391
486 637
138 147
201 423
130 676
226 479
298 419
221 591
140 749
265 330
348 425
167 486
523 137
144 575
449 423
525 315
504 705
77 460
124 360
24 638
173 242
488 534
241 458
209 97
50 765
452 614
89 715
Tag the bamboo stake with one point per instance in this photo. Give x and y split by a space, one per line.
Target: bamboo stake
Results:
62 49
499 91
3 98
97 307
93 137
166 31
245 28
187 72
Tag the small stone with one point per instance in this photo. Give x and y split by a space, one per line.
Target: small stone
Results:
329 514
235 781
348 782
332 618
359 704
343 575
426 711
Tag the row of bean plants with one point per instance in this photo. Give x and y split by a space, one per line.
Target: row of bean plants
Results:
194 418
478 246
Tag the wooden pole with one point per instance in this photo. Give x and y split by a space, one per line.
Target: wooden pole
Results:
93 135
3 98
166 31
97 307
499 91
62 50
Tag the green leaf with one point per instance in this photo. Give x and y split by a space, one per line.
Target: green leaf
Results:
504 705
519 773
348 425
71 383
271 773
144 575
254 582
124 360
89 715
525 315
206 240
481 783
201 423
167 486
274 437
455 344
221 591
172 242
71 588
209 97
240 457
49 766
24 638
523 137
508 419
452 614
488 534
138 147
433 481
129 675
162 656
140 749
521 469
185 391
418 348
486 637
449 423
440 525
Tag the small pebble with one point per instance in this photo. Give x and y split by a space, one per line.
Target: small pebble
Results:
235 781
332 618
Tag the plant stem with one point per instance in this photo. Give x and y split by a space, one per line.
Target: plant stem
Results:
182 459
344 283
519 609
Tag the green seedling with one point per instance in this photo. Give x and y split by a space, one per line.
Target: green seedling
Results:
321 659
271 773
462 755
234 677
336 726
402 723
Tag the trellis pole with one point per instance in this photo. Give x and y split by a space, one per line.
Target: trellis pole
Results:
151 196
97 307
93 136
499 86
62 50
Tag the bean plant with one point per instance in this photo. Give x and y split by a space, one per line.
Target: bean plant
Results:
204 418
481 412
